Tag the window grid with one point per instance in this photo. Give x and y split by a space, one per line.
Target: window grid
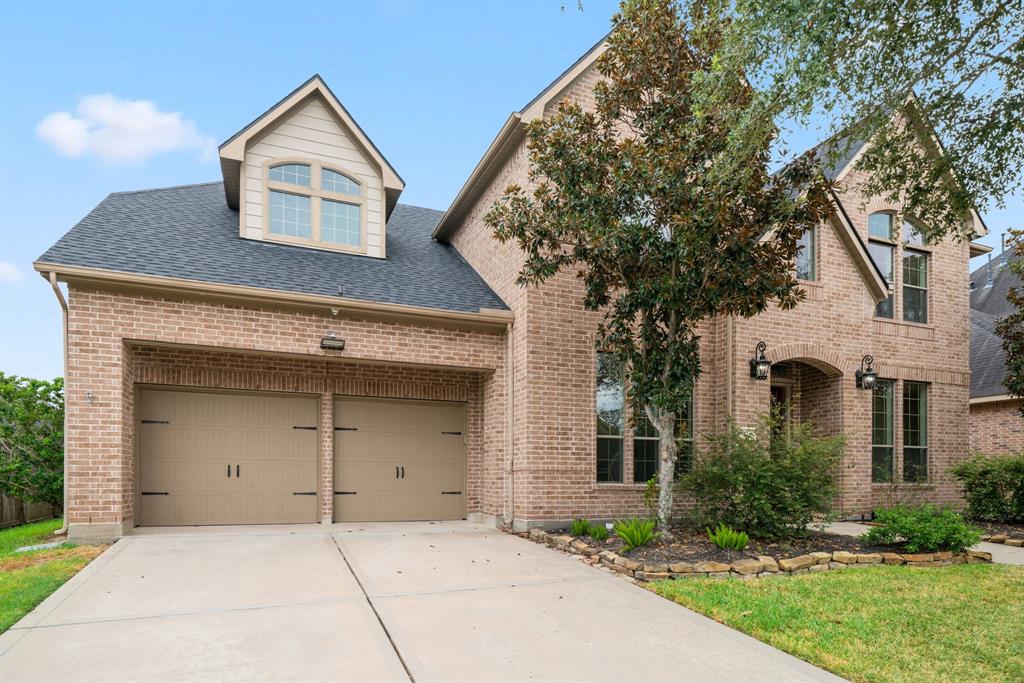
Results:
332 181
883 256
880 225
805 257
912 235
915 432
290 214
645 445
339 223
882 431
293 174
915 286
610 399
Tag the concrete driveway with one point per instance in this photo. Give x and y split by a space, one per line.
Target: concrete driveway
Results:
374 602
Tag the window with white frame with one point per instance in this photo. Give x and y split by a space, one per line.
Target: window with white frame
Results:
805 257
315 204
646 456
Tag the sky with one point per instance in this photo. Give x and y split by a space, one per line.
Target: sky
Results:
106 97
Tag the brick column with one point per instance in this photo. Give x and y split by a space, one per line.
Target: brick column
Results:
326 431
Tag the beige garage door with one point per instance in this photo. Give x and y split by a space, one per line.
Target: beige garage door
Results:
398 460
207 458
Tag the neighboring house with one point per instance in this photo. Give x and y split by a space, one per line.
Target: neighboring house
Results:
294 345
996 423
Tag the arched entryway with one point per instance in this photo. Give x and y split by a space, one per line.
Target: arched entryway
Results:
806 386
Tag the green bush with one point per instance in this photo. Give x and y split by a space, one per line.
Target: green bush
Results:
727 538
993 487
922 528
32 439
598 532
635 532
580 527
767 482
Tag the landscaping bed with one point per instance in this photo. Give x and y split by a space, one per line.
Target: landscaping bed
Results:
995 532
692 555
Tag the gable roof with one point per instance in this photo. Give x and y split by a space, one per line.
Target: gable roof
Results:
232 150
989 305
188 233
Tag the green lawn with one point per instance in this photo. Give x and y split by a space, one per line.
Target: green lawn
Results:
27 578
880 623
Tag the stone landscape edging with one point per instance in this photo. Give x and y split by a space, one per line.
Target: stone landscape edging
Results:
750 568
1004 539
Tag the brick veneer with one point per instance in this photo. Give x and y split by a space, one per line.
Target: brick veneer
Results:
997 428
119 341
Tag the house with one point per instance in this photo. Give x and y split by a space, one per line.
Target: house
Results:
294 345
996 423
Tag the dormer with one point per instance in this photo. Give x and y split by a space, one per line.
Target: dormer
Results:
305 173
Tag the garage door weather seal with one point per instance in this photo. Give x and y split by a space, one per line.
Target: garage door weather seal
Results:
375 612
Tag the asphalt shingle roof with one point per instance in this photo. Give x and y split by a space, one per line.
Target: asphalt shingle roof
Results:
988 305
189 232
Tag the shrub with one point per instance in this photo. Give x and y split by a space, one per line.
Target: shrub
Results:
993 487
922 528
635 532
766 482
598 532
580 527
32 439
727 538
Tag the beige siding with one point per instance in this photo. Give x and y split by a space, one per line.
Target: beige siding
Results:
312 132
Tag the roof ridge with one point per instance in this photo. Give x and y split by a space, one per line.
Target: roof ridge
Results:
168 187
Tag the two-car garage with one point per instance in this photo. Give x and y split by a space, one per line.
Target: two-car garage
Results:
231 458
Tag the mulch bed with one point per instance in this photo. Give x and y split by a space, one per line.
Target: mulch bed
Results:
692 545
997 529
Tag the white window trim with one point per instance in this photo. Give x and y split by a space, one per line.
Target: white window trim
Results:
315 194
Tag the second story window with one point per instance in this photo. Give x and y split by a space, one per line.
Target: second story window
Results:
915 286
805 258
313 204
883 255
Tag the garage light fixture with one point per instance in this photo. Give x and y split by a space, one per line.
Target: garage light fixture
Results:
759 364
332 343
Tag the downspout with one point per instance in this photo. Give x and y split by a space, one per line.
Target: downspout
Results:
728 366
510 494
64 325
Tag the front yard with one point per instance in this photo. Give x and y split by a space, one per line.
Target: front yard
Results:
879 623
27 578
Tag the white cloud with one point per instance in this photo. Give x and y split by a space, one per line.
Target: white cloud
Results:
121 131
8 273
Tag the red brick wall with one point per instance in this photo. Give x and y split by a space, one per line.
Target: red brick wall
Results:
997 428
111 351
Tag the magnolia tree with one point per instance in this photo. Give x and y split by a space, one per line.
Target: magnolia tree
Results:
661 203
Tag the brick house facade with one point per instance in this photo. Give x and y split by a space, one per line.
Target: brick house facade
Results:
442 320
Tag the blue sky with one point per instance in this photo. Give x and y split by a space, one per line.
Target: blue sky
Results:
430 82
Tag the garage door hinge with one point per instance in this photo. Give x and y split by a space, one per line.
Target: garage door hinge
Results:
303 493
453 433
451 493
156 422
344 493
298 427
346 429
156 493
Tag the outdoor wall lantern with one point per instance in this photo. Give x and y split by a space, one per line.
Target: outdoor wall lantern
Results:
332 343
759 364
866 376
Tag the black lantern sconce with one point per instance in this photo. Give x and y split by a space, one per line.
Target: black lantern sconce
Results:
866 376
759 364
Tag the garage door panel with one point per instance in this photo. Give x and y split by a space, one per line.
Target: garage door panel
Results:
189 440
423 440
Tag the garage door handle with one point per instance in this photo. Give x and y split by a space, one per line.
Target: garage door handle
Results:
303 493
238 470
396 471
451 493
344 493
156 493
229 471
403 471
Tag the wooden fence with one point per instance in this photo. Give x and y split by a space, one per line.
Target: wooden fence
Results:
14 512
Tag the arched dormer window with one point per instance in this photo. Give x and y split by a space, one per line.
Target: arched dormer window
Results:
315 204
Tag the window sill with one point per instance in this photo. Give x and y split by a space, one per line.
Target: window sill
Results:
617 486
922 486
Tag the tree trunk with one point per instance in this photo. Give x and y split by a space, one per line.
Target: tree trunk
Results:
668 450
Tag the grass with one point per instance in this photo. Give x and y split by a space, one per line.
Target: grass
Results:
26 579
882 623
